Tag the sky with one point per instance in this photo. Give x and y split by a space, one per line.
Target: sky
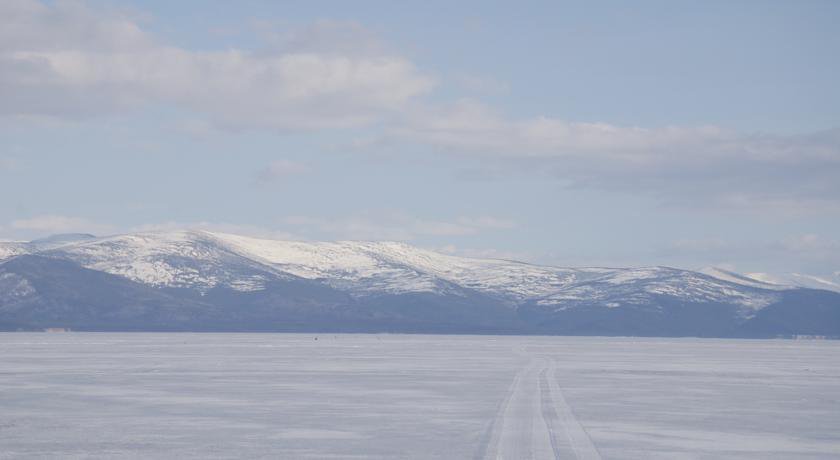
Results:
679 133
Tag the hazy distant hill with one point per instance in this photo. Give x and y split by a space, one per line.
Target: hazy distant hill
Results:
195 280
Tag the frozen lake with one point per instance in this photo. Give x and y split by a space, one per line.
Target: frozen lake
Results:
103 395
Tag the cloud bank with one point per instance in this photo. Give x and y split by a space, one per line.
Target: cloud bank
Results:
66 59
705 165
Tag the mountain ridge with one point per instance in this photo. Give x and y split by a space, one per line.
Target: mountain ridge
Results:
236 282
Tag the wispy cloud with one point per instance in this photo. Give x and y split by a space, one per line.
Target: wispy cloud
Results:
703 165
809 253
395 226
281 169
52 224
255 231
487 253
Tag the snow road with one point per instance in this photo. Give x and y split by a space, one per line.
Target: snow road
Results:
535 421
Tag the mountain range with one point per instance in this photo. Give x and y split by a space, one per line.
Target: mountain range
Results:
207 281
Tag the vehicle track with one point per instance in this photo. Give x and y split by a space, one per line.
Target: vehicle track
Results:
535 422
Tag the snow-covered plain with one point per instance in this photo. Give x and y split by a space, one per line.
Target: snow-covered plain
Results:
106 395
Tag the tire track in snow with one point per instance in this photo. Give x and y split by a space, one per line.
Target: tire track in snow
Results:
534 421
519 431
489 441
578 439
559 440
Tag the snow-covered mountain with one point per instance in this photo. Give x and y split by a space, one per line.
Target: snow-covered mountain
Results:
744 280
221 281
800 280
203 260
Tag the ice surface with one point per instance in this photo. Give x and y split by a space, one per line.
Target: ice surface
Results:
137 395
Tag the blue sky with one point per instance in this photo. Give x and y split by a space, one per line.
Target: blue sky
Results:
675 133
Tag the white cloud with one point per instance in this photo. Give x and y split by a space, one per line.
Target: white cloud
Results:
52 224
699 245
280 169
475 127
487 222
393 226
703 164
68 60
810 242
